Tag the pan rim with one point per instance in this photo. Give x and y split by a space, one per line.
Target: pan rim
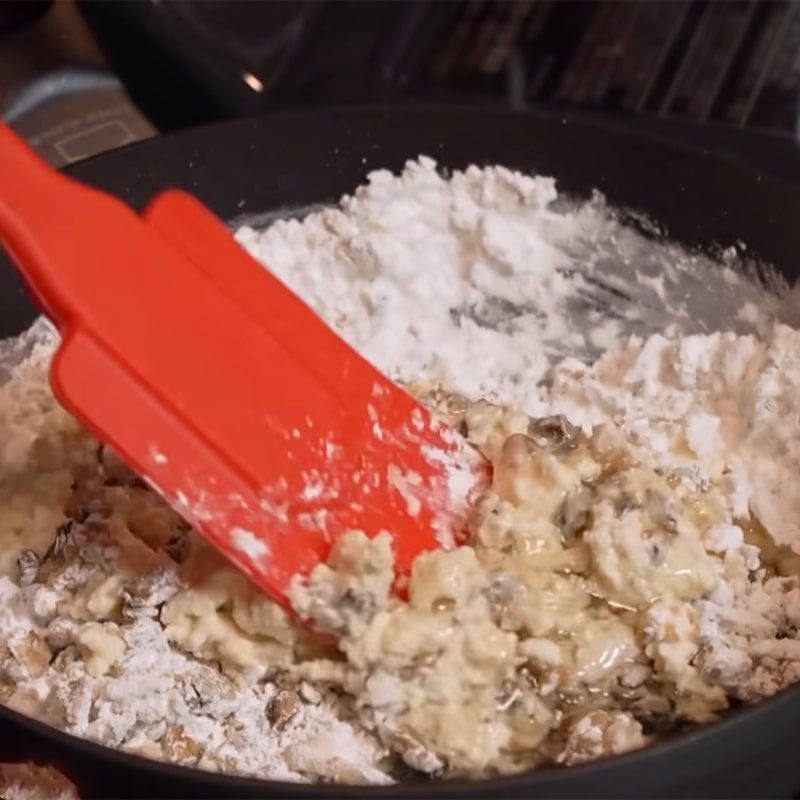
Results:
671 747
564 116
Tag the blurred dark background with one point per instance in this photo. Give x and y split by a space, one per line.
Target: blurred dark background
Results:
724 75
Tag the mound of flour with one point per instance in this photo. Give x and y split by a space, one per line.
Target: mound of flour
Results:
482 279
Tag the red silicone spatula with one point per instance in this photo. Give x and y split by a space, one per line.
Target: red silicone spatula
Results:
217 384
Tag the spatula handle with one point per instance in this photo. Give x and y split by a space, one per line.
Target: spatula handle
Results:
45 220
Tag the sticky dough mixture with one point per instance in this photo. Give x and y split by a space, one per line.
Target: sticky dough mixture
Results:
631 570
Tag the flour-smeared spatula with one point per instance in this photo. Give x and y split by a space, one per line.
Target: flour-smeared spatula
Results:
217 384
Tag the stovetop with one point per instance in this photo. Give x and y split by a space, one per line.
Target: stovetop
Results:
723 76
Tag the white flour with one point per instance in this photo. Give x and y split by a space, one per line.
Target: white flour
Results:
481 281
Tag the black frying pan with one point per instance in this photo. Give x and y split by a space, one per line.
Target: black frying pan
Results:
285 160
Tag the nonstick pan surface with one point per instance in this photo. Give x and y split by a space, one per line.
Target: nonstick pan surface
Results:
282 161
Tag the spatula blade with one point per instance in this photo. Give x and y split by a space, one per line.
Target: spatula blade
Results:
220 386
